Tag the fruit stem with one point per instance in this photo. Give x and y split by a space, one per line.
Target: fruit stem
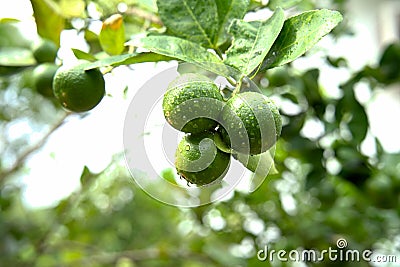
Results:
231 81
238 86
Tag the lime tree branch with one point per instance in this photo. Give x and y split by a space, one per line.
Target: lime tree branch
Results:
23 157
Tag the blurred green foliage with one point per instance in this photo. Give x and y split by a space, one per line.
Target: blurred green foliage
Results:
326 188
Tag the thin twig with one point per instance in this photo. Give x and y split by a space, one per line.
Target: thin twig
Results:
22 158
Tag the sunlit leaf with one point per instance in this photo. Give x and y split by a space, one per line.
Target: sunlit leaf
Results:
252 41
169 175
126 59
193 20
16 57
79 54
11 35
72 8
184 50
299 34
227 11
112 35
49 20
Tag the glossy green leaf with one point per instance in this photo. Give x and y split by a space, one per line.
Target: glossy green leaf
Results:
193 20
112 35
16 57
49 20
184 50
79 54
252 41
126 59
227 11
299 34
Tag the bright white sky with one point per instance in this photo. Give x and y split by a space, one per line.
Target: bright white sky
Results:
92 141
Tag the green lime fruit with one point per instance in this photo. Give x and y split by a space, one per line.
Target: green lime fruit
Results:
251 123
45 51
42 77
192 103
77 89
199 161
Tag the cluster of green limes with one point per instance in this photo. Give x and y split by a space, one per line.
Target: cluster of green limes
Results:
247 123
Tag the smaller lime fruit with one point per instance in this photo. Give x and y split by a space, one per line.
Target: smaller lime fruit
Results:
251 123
44 51
42 77
199 161
192 103
77 89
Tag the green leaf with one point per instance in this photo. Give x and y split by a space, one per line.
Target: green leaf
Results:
79 54
126 59
12 36
72 8
227 11
49 20
260 164
349 107
184 50
252 41
112 35
87 176
8 20
358 124
220 144
193 20
169 175
299 34
285 4
143 57
16 57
